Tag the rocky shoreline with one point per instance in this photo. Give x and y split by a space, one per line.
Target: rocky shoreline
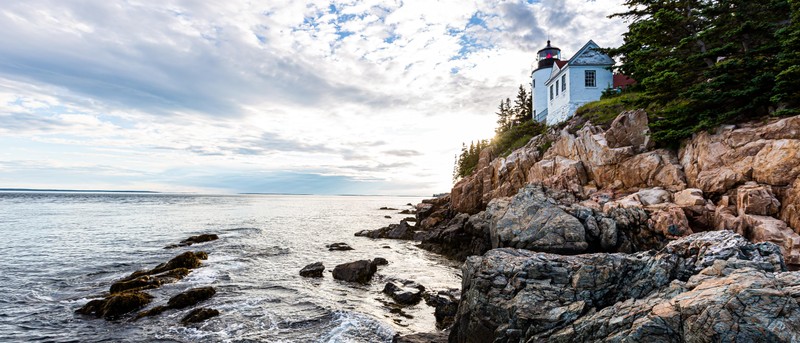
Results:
590 234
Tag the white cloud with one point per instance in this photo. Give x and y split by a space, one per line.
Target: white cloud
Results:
273 86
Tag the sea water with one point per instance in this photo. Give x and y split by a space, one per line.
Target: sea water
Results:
60 250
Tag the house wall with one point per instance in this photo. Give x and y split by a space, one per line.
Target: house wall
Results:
565 104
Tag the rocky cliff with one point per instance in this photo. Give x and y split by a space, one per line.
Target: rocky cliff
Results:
590 234
741 178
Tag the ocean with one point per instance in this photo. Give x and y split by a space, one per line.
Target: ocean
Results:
60 250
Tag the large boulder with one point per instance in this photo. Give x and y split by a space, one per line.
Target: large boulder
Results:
752 198
404 292
360 271
116 305
198 315
535 222
191 297
514 295
313 270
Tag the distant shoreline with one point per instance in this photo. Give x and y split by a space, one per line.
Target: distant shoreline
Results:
45 190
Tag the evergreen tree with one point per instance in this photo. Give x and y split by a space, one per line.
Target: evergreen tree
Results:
522 106
786 93
502 118
702 62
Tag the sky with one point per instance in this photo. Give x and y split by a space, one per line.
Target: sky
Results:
278 96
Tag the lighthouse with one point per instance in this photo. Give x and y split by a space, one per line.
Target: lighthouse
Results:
545 59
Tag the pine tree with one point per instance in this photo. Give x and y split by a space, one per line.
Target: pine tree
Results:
522 106
786 93
502 118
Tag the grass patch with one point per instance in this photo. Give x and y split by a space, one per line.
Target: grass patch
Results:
602 112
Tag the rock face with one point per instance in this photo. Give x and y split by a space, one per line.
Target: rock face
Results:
535 222
711 286
313 270
360 271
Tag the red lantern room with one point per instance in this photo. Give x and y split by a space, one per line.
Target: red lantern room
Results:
548 55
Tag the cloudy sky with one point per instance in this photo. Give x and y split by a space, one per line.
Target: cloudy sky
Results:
325 97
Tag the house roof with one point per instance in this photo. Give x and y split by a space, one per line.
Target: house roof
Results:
588 55
622 80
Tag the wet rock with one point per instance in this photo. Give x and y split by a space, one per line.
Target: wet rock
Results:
406 211
313 270
191 297
150 281
404 292
410 219
338 247
380 261
388 209
393 231
194 239
198 315
115 305
445 305
519 295
388 217
360 271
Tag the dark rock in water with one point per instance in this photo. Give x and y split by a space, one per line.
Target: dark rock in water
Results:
188 260
152 312
386 247
404 292
388 217
410 219
338 247
710 286
393 231
116 305
191 297
360 271
445 304
198 315
150 281
409 204
406 212
428 337
313 270
380 261
201 255
388 208
193 240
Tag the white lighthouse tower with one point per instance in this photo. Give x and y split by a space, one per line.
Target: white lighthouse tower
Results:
545 59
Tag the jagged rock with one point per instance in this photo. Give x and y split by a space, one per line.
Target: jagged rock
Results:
338 247
752 198
519 295
191 297
630 129
313 270
654 196
115 305
559 172
669 219
533 221
404 292
790 212
445 305
768 229
198 315
689 197
360 271
768 154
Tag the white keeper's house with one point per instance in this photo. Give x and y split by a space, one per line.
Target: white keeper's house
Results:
559 86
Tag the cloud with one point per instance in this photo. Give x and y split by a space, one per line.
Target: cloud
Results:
384 88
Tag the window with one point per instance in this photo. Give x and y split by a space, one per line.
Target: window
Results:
563 83
556 88
590 78
551 92
534 84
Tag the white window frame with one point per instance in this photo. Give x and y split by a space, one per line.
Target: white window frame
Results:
590 78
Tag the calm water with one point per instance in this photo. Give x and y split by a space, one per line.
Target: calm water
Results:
58 250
